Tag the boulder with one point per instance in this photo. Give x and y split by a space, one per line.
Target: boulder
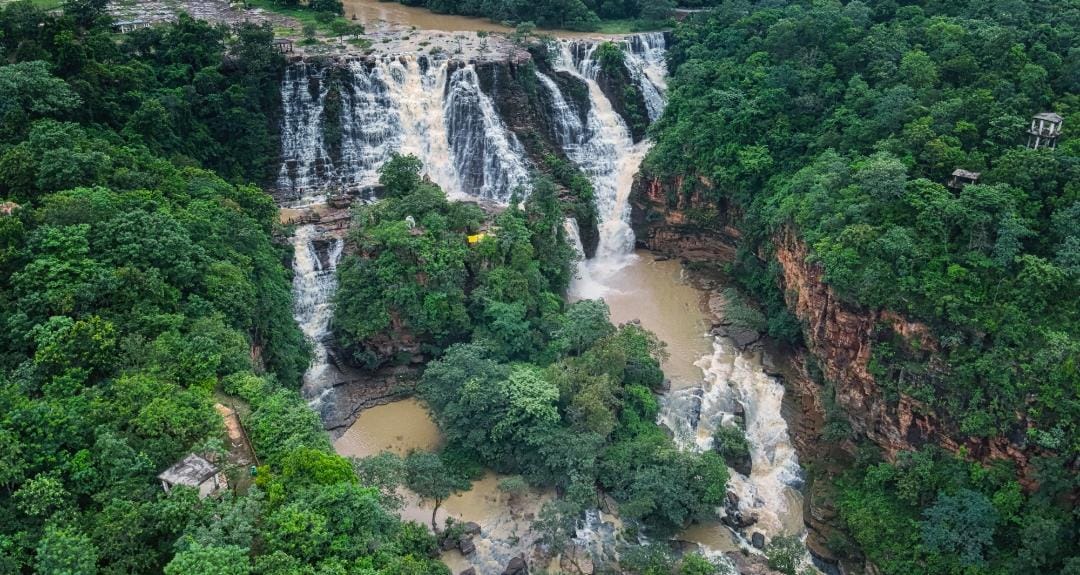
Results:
469 571
733 516
516 566
471 528
466 546
758 540
743 338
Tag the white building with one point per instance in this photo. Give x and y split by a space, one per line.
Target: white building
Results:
194 471
1044 131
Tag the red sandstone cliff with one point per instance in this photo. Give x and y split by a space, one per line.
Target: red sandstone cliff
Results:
839 336
671 230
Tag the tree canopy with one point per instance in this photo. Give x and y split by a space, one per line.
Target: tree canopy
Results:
838 125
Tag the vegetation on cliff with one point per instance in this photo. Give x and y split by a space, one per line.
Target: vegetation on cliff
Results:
137 287
843 122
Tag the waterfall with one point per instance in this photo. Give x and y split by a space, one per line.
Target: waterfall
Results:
432 109
646 58
604 150
583 285
488 157
315 260
736 387
305 162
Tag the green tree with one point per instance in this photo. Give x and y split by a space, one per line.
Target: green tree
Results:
785 553
961 526
64 550
400 175
427 476
203 560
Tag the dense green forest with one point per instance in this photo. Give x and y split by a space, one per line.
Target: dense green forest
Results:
841 123
523 383
136 287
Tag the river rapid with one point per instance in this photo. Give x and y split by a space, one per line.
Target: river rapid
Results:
423 106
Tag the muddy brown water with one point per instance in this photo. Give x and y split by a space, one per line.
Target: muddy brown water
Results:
374 14
659 294
406 425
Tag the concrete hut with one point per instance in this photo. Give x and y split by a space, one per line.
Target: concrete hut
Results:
283 45
961 178
1044 131
196 472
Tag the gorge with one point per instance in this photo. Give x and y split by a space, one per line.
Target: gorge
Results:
350 286
464 120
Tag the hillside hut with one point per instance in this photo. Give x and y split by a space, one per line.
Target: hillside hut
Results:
196 472
961 178
1044 131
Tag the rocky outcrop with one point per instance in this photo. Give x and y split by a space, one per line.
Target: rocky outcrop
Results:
668 223
523 107
841 337
356 390
516 566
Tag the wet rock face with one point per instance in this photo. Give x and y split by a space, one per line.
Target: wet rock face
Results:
758 540
733 516
626 98
526 110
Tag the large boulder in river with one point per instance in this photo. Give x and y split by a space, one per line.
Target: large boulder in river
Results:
467 546
469 571
470 528
733 516
516 566
758 540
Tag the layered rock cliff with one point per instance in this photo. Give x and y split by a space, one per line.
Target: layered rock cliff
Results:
669 223
839 340
839 336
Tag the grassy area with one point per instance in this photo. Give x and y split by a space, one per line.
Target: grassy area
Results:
631 25
43 4
302 16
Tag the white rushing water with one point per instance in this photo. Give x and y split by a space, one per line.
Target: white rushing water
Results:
647 61
605 150
487 156
737 387
409 105
305 159
314 283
